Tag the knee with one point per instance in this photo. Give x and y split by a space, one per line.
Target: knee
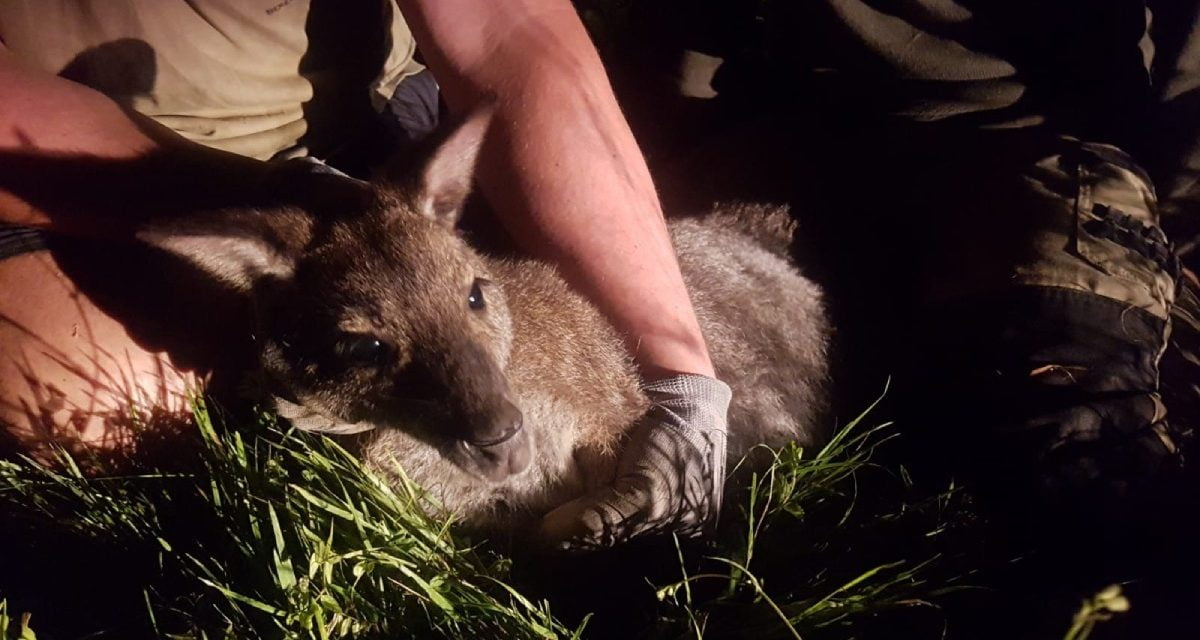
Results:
72 377
103 400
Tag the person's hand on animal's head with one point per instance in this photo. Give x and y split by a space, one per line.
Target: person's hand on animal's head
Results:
564 174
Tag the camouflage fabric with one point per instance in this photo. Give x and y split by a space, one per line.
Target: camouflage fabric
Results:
1099 232
1180 377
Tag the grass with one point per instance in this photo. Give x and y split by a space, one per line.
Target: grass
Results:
807 554
1101 607
281 534
17 629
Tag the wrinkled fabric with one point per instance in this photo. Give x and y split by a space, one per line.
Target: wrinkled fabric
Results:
1052 392
1099 229
1119 72
16 240
254 77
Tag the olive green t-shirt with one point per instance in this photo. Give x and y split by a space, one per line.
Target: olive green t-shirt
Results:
255 77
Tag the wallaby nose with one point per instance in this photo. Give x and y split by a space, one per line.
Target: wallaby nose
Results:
498 427
498 449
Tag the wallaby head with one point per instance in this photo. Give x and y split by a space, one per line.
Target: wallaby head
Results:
378 317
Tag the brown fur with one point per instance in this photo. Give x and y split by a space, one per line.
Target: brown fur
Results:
536 356
764 324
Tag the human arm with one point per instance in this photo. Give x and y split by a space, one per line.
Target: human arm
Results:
74 161
563 172
561 167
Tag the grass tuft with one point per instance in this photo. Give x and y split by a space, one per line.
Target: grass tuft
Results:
805 556
14 629
280 534
275 533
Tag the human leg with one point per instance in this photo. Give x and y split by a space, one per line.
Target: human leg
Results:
78 371
1048 288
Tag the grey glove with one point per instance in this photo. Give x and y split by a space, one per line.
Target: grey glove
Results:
670 477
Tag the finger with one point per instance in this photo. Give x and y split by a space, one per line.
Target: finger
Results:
1108 442
596 521
1099 418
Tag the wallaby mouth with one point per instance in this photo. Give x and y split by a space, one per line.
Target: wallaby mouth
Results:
496 427
495 462
502 438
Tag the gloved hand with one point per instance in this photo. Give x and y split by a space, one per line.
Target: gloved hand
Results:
670 477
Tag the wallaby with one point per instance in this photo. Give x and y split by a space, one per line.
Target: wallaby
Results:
489 381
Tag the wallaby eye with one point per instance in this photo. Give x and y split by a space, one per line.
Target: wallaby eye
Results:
475 298
359 350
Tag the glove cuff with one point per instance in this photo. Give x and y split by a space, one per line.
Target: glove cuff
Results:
696 408
691 387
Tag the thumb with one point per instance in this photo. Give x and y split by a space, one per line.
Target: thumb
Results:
600 519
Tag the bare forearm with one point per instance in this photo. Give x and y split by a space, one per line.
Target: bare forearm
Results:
562 168
73 160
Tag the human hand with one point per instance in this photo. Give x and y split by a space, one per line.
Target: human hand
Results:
1062 392
670 477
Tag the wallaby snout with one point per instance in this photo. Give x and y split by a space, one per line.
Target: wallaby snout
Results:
485 421
495 462
496 428
493 443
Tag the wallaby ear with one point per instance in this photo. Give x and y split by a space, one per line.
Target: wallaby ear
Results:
446 178
237 247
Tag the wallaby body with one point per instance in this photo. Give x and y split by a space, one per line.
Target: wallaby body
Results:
488 381
579 392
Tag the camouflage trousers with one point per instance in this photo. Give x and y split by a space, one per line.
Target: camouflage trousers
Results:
1084 217
1048 289
1016 285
